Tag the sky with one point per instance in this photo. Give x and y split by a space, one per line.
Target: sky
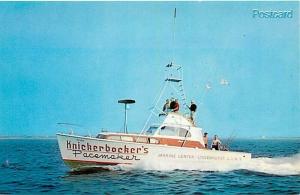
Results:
72 61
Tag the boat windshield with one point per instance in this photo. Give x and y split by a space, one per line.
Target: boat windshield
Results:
152 129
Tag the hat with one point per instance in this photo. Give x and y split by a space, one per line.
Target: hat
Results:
205 133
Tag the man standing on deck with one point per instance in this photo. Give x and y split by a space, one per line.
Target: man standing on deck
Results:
205 139
216 143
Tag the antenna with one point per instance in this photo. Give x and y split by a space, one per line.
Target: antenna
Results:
173 37
125 102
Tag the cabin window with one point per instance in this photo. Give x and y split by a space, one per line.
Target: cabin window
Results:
142 140
113 137
168 131
184 133
174 131
153 141
127 138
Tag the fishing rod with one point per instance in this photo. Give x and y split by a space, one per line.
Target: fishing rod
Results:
230 139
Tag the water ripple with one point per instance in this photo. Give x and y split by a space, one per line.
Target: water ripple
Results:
35 166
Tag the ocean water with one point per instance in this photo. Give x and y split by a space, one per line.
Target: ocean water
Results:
32 166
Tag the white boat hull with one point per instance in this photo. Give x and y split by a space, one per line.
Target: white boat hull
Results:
82 152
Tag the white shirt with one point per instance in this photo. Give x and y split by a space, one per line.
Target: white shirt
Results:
215 142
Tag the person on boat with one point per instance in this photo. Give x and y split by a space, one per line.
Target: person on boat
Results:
166 107
172 104
176 106
193 108
205 139
216 143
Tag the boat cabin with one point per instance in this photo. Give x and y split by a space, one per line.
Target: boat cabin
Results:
176 130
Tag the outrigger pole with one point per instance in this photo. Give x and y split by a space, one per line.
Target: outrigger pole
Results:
173 41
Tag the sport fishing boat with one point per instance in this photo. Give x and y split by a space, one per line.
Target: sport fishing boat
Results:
176 139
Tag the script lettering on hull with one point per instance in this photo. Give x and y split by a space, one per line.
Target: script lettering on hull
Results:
81 153
104 151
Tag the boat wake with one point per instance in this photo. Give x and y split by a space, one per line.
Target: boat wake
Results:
281 166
